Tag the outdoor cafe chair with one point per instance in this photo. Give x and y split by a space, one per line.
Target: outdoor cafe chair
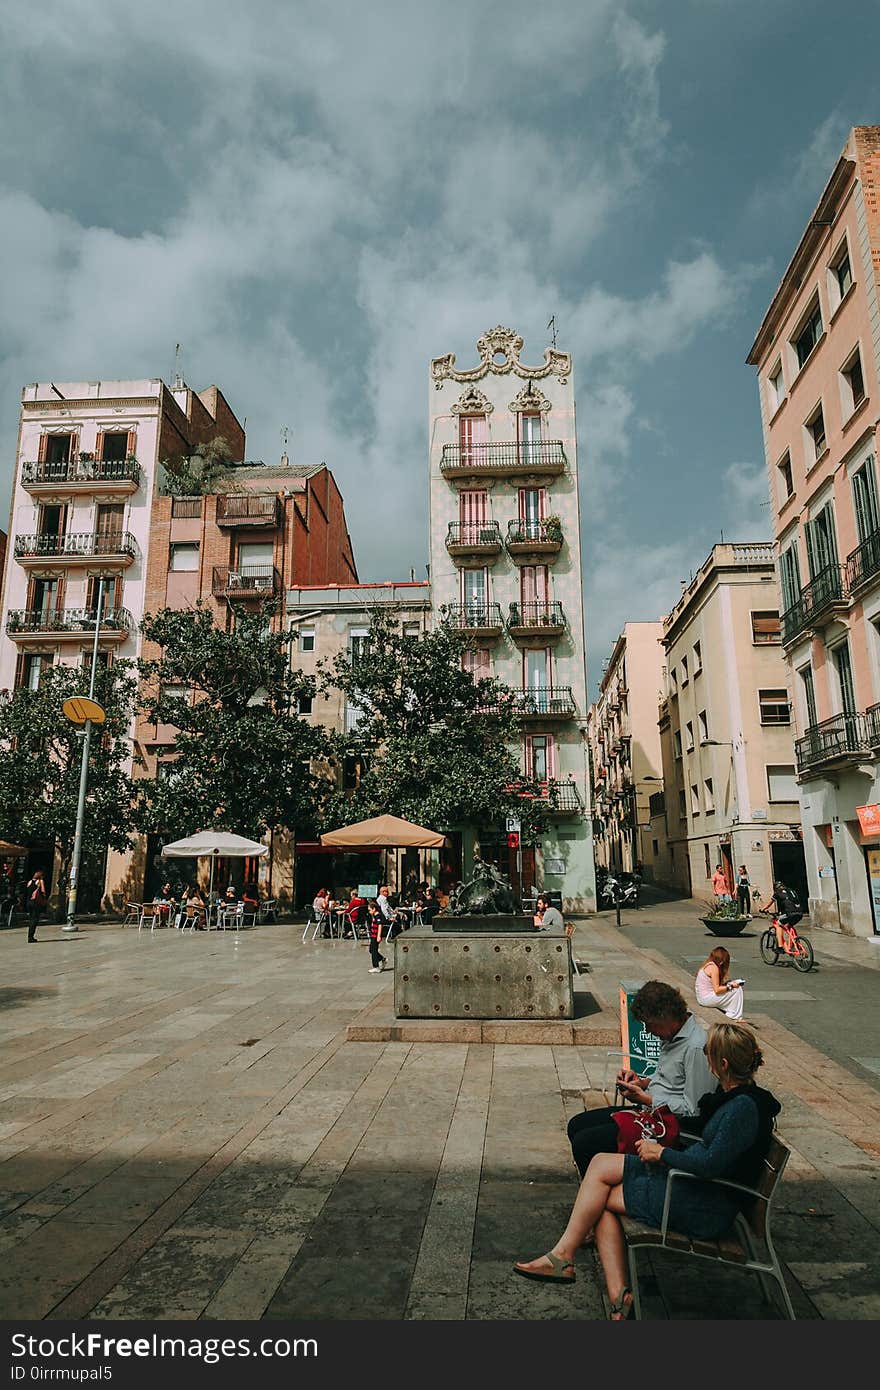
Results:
132 915
152 913
266 911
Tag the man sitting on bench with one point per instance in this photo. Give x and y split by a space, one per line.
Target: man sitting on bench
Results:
682 1074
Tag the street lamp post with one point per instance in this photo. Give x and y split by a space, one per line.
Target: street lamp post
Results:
94 715
734 820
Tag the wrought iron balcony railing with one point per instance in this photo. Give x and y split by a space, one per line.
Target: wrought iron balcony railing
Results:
80 470
247 581
863 562
474 617
817 600
841 738
541 456
473 535
525 617
66 620
85 543
549 704
248 509
563 797
534 533
872 725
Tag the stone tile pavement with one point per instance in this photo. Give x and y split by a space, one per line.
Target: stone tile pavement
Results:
186 1132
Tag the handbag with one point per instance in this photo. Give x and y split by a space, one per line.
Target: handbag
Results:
659 1124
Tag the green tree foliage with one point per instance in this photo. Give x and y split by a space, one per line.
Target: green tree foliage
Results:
206 470
243 751
438 742
40 759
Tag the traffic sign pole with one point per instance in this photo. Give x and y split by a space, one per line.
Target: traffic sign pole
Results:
70 924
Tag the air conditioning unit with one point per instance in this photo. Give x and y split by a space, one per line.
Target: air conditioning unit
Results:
262 581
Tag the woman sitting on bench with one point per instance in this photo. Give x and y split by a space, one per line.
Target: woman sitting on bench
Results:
739 1119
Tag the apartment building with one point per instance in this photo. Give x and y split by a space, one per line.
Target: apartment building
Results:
506 570
727 757
816 358
624 743
329 621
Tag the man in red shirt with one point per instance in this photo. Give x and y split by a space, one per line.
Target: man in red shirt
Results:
720 886
355 910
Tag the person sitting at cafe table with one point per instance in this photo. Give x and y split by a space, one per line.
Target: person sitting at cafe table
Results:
251 898
354 911
196 902
430 905
547 916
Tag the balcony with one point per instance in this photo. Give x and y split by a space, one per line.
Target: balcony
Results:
526 538
249 509
478 619
246 582
863 564
77 624
531 621
841 739
872 726
824 596
544 458
83 474
473 538
544 704
115 551
564 798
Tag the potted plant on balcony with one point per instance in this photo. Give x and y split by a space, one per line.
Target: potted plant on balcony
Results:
514 619
724 919
553 529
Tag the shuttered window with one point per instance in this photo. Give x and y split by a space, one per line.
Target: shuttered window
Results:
765 629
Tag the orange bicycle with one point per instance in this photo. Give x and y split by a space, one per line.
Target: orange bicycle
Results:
800 948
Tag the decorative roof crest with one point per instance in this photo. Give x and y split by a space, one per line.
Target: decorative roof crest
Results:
499 351
472 402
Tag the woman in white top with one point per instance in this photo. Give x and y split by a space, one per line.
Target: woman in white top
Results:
714 990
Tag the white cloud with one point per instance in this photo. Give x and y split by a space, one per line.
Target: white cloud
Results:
745 502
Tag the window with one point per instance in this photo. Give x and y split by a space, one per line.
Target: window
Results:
840 276
655 848
821 543
354 768
540 757
815 432
412 631
307 639
703 725
698 658
167 770
865 504
781 784
843 667
786 481
689 736
765 629
789 576
676 740
852 384
174 692
708 861
477 660
114 447
184 555
305 704
673 682
774 706
809 692
775 388
31 668
709 796
358 645
808 334
682 806
58 447
695 799
354 716
684 670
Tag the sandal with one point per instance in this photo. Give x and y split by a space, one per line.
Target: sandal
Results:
623 1308
554 1275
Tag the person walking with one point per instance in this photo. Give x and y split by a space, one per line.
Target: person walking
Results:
713 988
37 897
720 886
744 892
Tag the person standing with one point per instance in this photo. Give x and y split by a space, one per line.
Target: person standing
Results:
37 897
744 892
376 928
720 886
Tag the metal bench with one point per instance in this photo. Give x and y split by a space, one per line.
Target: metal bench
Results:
748 1245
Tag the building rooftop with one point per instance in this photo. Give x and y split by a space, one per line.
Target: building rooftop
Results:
738 555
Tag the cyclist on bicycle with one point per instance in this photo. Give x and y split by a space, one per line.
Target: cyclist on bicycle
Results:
788 911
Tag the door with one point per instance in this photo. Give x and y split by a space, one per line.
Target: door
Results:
790 866
865 504
845 678
532 509
478 662
474 589
536 676
530 438
822 546
727 867
109 522
45 596
472 508
473 437
789 575
534 587
872 865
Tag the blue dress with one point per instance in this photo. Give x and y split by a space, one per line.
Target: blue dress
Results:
696 1209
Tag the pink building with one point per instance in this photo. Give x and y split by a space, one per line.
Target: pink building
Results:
816 354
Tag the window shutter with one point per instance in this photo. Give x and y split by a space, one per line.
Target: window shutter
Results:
44 448
19 665
131 446
765 626
99 445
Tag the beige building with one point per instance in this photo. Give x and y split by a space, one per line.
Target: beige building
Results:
328 621
727 757
625 749
817 357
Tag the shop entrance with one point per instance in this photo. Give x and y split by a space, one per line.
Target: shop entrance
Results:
789 865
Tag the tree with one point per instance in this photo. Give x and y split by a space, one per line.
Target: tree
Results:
242 751
206 470
437 740
40 760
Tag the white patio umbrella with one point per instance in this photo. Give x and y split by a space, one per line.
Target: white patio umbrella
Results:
213 845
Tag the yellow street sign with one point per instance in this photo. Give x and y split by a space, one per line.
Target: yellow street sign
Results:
78 709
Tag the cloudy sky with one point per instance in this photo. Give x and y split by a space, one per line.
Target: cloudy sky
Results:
314 197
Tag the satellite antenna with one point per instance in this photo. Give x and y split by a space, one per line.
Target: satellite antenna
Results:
552 326
285 436
178 375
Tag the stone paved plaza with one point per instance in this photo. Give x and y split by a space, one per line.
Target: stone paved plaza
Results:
186 1132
